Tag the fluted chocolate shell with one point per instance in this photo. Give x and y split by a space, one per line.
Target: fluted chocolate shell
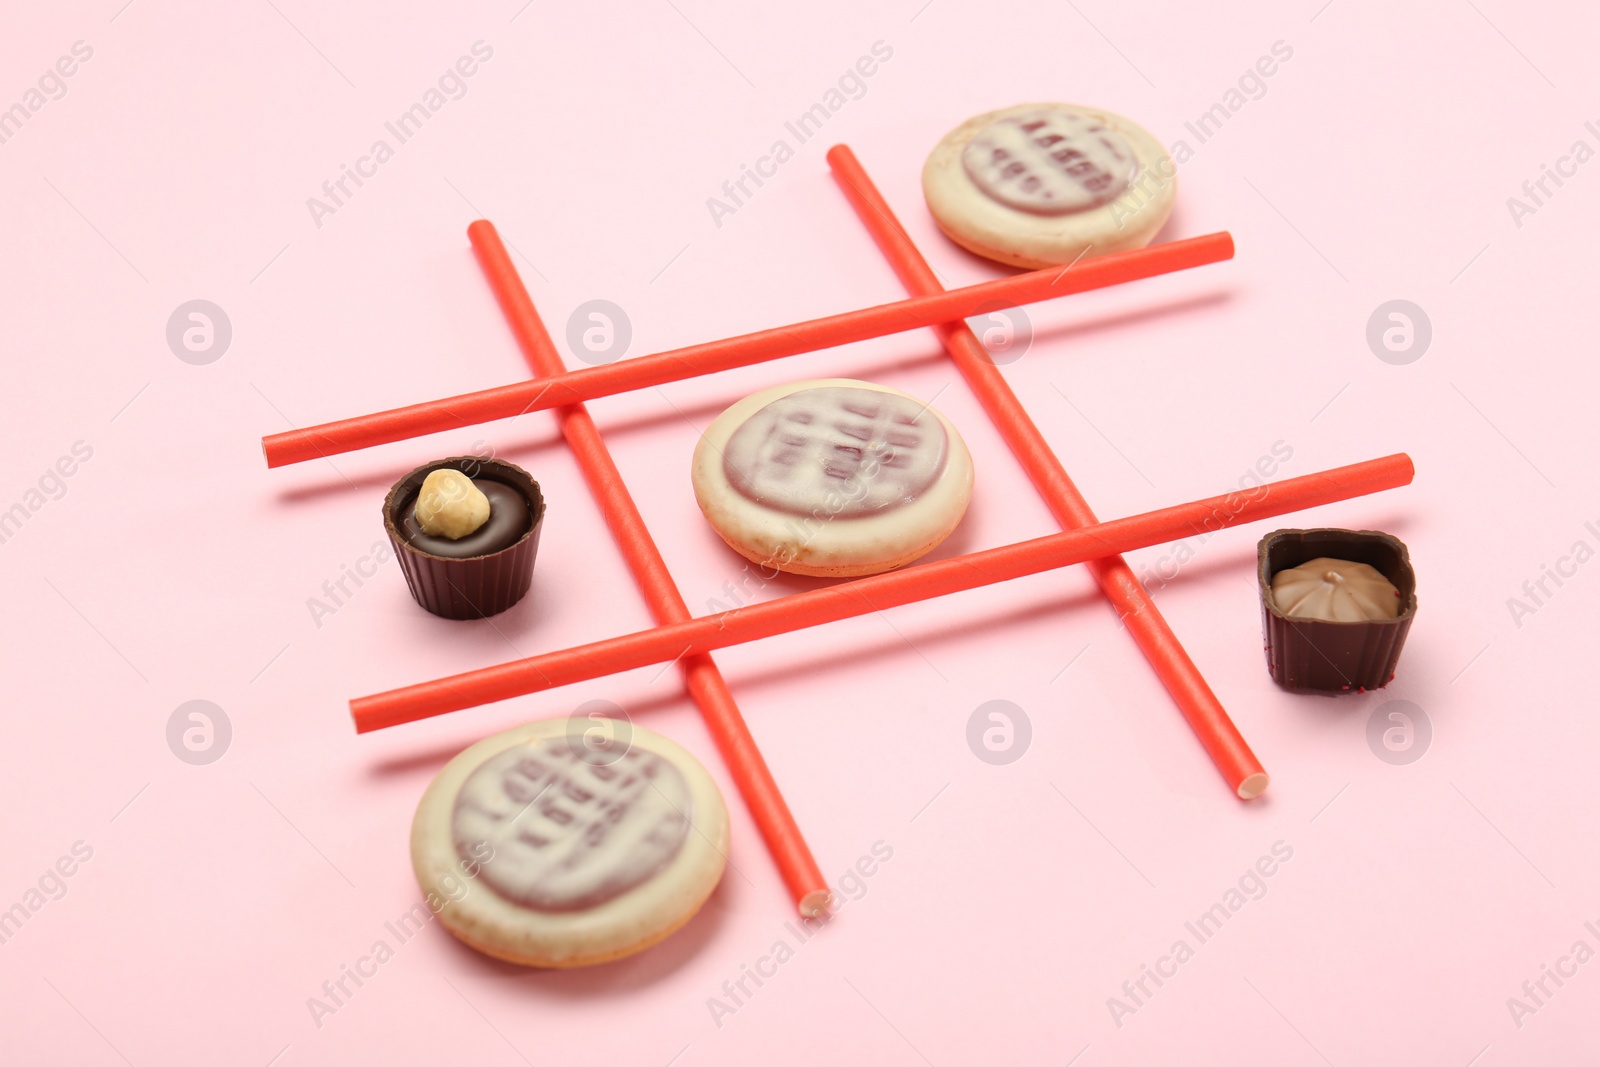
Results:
1334 657
471 587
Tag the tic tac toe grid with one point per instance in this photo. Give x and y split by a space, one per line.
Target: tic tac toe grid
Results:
688 640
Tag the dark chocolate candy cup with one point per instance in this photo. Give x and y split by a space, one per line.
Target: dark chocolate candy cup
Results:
477 586
1334 656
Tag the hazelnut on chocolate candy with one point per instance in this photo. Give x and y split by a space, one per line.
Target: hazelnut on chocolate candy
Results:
466 532
449 505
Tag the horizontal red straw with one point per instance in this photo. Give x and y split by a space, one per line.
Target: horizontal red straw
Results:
562 387
693 638
705 683
1133 603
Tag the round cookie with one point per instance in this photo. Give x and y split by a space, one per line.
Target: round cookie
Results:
542 847
832 477
1039 185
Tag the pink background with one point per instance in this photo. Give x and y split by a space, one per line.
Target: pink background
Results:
1019 898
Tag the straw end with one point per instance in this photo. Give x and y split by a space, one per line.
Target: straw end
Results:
1253 785
816 903
282 449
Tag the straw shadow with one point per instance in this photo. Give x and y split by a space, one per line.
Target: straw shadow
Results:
433 758
959 543
1171 230
1243 557
1239 561
921 641
380 479
709 409
700 413
1069 330
376 480
428 760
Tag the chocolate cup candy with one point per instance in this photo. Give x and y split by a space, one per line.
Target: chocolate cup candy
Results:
1334 657
470 587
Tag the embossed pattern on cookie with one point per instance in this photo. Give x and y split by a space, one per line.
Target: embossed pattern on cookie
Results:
568 830
1050 161
836 452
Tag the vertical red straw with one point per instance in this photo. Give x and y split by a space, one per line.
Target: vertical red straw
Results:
705 682
1200 706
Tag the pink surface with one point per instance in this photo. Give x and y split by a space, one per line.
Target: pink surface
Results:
171 566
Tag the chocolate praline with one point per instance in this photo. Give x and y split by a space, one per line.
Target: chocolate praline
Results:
1325 655
488 570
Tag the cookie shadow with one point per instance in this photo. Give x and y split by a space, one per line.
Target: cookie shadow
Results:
654 965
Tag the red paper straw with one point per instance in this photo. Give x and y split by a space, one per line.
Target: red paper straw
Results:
1200 706
563 387
705 682
695 637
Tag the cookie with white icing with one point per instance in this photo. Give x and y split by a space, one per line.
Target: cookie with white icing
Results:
832 477
543 847
1044 184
